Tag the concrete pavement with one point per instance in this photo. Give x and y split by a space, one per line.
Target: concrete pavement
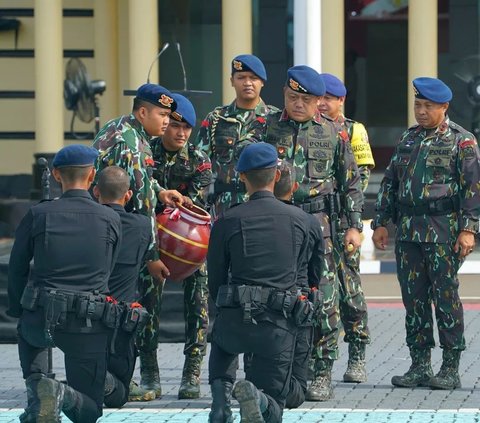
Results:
374 401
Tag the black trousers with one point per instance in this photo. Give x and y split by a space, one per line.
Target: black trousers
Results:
85 361
121 364
299 379
271 341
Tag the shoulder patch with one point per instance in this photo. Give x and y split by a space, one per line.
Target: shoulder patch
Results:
203 167
467 143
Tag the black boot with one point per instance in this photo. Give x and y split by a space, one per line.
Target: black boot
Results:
190 386
419 372
221 411
253 403
54 397
448 377
149 372
33 403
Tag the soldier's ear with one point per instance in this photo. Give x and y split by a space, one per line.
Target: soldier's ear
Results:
295 186
278 175
127 196
56 174
96 192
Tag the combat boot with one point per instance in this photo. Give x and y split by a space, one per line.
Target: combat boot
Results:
137 393
253 403
149 373
221 411
33 402
356 372
190 386
321 388
419 372
54 398
448 377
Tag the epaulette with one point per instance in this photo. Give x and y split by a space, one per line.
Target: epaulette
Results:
327 117
43 200
273 109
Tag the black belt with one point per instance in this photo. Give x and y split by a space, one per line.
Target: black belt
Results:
237 186
275 299
432 208
316 205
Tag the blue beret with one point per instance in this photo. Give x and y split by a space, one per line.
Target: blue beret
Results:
249 62
258 155
157 95
75 155
184 111
333 85
305 80
432 89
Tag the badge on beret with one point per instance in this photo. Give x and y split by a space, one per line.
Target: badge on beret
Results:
294 85
177 116
165 100
237 65
415 91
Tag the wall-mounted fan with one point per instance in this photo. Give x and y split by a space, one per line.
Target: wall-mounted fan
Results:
80 94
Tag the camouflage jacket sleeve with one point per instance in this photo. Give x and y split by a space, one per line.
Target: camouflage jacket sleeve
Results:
468 167
144 196
387 195
201 179
348 180
204 136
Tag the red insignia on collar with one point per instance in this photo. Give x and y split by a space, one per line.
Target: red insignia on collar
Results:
343 135
204 124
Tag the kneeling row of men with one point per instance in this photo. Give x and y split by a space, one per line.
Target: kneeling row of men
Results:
80 296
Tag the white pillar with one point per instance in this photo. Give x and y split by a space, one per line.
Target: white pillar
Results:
307 34
142 41
422 45
49 76
106 56
236 39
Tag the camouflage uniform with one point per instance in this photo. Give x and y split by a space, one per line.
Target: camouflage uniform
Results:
189 172
123 142
431 191
323 162
353 308
223 134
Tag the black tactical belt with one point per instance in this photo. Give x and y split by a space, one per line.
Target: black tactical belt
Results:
237 186
432 208
316 205
275 299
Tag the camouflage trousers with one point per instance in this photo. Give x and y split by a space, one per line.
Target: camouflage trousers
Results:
327 315
427 273
353 307
195 313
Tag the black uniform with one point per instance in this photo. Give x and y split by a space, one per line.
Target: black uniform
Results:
254 255
74 243
136 241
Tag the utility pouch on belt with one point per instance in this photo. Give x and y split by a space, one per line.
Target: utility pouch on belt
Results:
135 318
226 296
112 315
250 299
302 312
30 296
89 308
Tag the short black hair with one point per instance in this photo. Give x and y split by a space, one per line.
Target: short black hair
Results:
284 185
260 178
138 102
71 174
113 182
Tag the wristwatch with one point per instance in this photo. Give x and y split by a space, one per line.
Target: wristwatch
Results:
358 226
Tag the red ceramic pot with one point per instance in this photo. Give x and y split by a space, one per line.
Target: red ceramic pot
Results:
183 235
